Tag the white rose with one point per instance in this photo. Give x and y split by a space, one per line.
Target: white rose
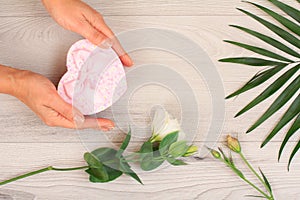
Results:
163 124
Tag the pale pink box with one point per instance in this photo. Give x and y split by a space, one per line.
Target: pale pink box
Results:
94 80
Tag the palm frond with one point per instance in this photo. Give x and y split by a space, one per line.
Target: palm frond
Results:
289 115
260 51
293 129
252 61
279 102
269 91
294 13
257 80
295 150
276 29
280 62
269 40
282 20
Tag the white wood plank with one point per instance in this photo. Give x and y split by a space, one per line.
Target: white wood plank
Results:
205 179
40 45
31 40
141 7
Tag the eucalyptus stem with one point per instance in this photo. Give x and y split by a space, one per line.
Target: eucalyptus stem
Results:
255 173
40 171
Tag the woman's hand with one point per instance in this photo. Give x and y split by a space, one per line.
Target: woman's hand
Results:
78 17
40 95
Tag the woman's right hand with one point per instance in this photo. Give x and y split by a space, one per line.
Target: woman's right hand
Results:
77 16
40 95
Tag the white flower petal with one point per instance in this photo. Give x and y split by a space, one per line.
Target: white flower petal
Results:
159 120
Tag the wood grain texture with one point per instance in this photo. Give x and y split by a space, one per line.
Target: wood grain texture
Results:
31 40
140 8
205 179
26 38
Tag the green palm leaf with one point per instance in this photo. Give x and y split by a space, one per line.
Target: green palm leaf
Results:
292 112
282 20
260 51
252 61
294 13
269 40
257 80
276 29
280 62
281 100
295 150
293 129
276 85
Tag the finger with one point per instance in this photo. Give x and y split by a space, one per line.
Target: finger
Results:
55 119
97 21
66 110
94 35
98 123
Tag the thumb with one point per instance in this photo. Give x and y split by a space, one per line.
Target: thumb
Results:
67 110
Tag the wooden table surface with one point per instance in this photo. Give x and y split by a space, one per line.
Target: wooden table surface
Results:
30 39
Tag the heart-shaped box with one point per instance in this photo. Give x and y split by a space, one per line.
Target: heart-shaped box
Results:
94 80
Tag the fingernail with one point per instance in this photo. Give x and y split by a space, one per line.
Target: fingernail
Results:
79 119
105 44
107 128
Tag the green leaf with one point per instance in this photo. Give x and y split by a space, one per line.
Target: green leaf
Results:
292 111
108 157
251 61
269 91
148 161
231 160
124 144
96 169
178 148
146 148
266 181
292 130
112 175
126 141
167 141
226 159
255 81
175 162
256 196
125 168
284 21
260 51
295 150
269 40
280 101
238 172
276 29
294 13
92 160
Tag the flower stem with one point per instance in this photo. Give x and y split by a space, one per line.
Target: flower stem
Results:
255 173
260 191
246 180
40 171
69 169
132 160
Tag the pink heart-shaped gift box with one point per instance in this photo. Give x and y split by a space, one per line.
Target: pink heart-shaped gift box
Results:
94 80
